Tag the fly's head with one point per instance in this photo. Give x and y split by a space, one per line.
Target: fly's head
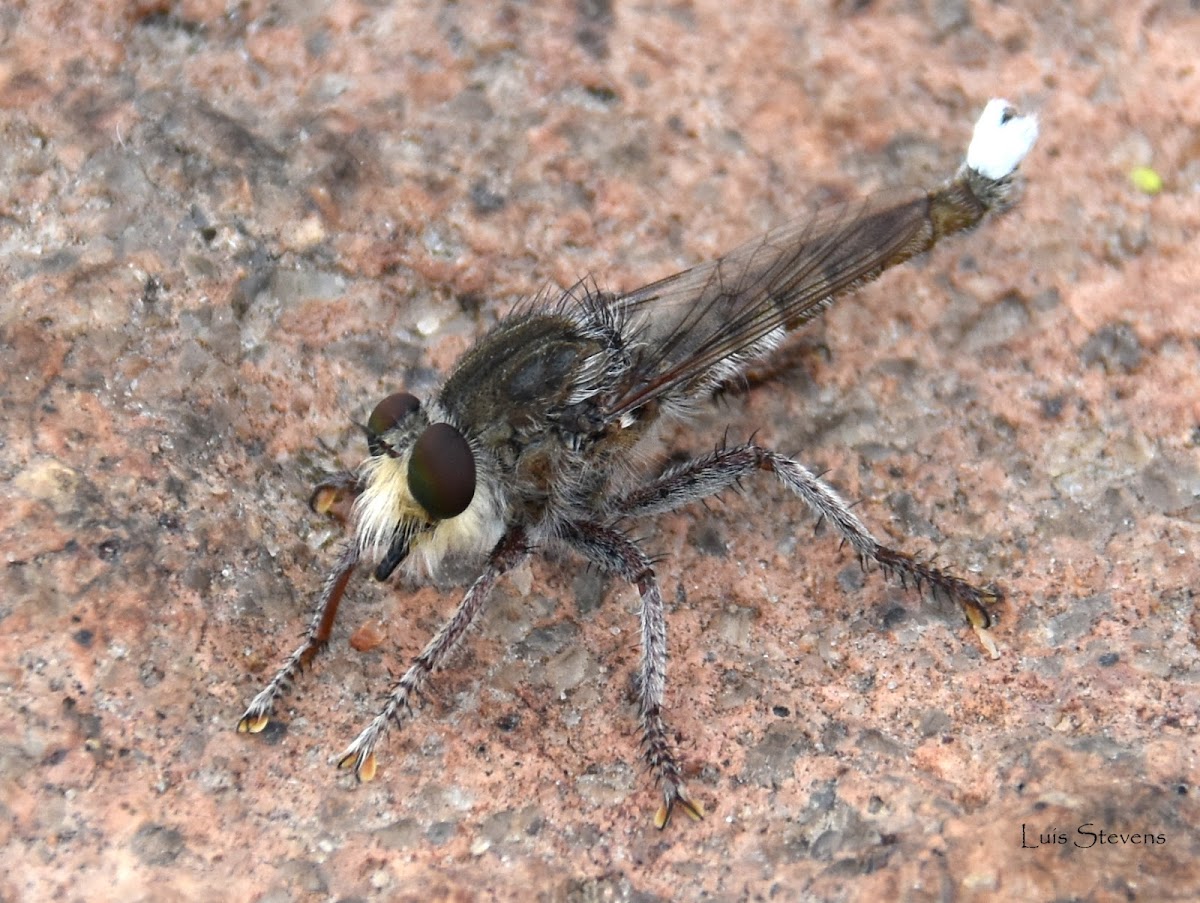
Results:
421 495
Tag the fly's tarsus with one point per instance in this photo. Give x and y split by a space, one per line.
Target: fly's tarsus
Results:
973 600
335 495
674 795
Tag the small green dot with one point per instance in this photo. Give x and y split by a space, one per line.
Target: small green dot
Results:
1146 180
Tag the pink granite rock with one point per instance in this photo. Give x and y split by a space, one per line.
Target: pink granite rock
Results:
227 230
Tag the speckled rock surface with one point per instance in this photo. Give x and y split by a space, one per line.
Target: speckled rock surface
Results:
226 230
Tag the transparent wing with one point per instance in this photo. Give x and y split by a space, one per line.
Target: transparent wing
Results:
698 327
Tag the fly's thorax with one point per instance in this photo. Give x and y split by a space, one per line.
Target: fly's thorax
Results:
427 490
532 391
533 365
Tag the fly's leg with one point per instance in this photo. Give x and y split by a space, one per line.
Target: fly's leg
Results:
258 714
721 469
335 495
332 496
360 755
613 552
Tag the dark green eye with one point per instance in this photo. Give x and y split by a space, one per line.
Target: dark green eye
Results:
441 471
386 415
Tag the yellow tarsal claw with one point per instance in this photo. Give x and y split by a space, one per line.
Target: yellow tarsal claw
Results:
985 640
364 766
980 620
254 725
663 815
323 499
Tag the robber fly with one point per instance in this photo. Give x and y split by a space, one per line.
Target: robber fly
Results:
533 440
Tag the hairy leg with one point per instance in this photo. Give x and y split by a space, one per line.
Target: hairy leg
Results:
706 476
613 552
360 754
258 713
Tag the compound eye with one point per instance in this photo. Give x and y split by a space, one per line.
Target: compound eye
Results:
441 471
391 411
386 415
